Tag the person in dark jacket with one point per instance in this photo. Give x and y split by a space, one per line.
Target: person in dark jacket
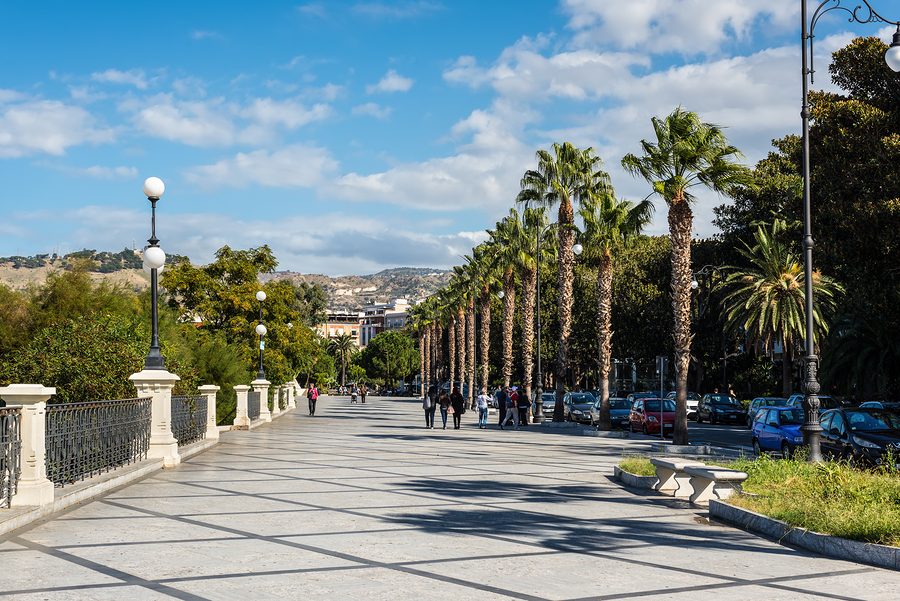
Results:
523 405
459 403
444 404
501 404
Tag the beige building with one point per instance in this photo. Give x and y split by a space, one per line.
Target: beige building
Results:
375 319
339 324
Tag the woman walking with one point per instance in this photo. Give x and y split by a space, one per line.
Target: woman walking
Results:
444 403
459 405
512 414
482 403
429 404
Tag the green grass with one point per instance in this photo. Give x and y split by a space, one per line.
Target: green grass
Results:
830 498
637 465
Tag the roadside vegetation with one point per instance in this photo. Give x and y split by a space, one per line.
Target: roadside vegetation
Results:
830 498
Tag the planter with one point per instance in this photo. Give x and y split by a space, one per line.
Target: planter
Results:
560 424
682 449
823 544
606 434
633 480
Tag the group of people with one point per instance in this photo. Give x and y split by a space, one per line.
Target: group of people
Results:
511 407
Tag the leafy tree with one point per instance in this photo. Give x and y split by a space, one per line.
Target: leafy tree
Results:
343 347
686 153
390 356
310 303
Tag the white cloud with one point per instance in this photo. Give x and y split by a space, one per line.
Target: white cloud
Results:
689 27
313 9
297 166
269 115
371 108
391 82
329 92
97 171
47 126
199 34
396 10
134 77
11 96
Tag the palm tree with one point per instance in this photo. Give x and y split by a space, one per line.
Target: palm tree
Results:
608 225
569 174
687 153
506 245
344 347
482 259
767 299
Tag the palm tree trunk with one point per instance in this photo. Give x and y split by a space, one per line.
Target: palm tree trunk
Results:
343 367
438 345
565 218
529 281
451 337
509 307
424 359
470 347
681 220
461 344
787 369
485 334
604 300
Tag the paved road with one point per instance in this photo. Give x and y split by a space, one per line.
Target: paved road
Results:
361 502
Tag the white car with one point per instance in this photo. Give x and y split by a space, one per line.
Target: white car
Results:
693 399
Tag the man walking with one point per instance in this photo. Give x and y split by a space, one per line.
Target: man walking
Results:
523 405
501 405
363 392
511 413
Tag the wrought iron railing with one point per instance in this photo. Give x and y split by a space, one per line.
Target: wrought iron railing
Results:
282 400
188 418
10 452
86 439
253 405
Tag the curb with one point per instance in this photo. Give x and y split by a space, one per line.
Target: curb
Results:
682 449
606 434
633 480
881 556
560 424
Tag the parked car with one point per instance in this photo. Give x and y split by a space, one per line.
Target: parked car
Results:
645 415
860 436
720 408
890 406
825 402
693 399
759 403
619 411
777 429
549 402
578 406
638 395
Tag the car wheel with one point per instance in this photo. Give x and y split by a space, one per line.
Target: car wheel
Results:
785 450
699 419
712 418
757 450
848 457
644 430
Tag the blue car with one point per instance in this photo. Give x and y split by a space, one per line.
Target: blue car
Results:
777 429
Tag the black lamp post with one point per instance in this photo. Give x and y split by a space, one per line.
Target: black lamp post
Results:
539 387
708 270
810 386
154 259
261 330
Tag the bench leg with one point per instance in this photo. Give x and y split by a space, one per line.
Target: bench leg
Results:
685 488
667 484
726 489
703 490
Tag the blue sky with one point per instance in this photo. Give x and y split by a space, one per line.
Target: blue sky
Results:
355 135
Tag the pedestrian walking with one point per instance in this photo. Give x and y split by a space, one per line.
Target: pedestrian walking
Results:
523 404
313 395
482 404
501 404
444 404
459 406
512 413
429 404
363 391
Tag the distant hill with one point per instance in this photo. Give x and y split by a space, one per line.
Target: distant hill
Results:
346 293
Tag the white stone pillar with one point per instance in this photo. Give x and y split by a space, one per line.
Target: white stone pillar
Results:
262 386
157 384
292 390
276 401
34 487
242 418
209 391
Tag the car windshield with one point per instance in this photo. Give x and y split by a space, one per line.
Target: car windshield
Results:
619 404
774 402
873 421
723 399
791 417
548 398
652 406
581 399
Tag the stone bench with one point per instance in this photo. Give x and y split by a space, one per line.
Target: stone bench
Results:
713 483
673 480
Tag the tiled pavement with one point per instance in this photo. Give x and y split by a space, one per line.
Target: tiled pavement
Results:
362 502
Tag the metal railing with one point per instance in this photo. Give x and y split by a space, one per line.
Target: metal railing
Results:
86 439
188 418
253 405
10 452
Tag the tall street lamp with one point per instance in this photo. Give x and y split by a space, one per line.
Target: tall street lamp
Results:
811 387
261 330
154 259
539 377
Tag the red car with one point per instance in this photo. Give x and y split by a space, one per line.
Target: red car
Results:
645 414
